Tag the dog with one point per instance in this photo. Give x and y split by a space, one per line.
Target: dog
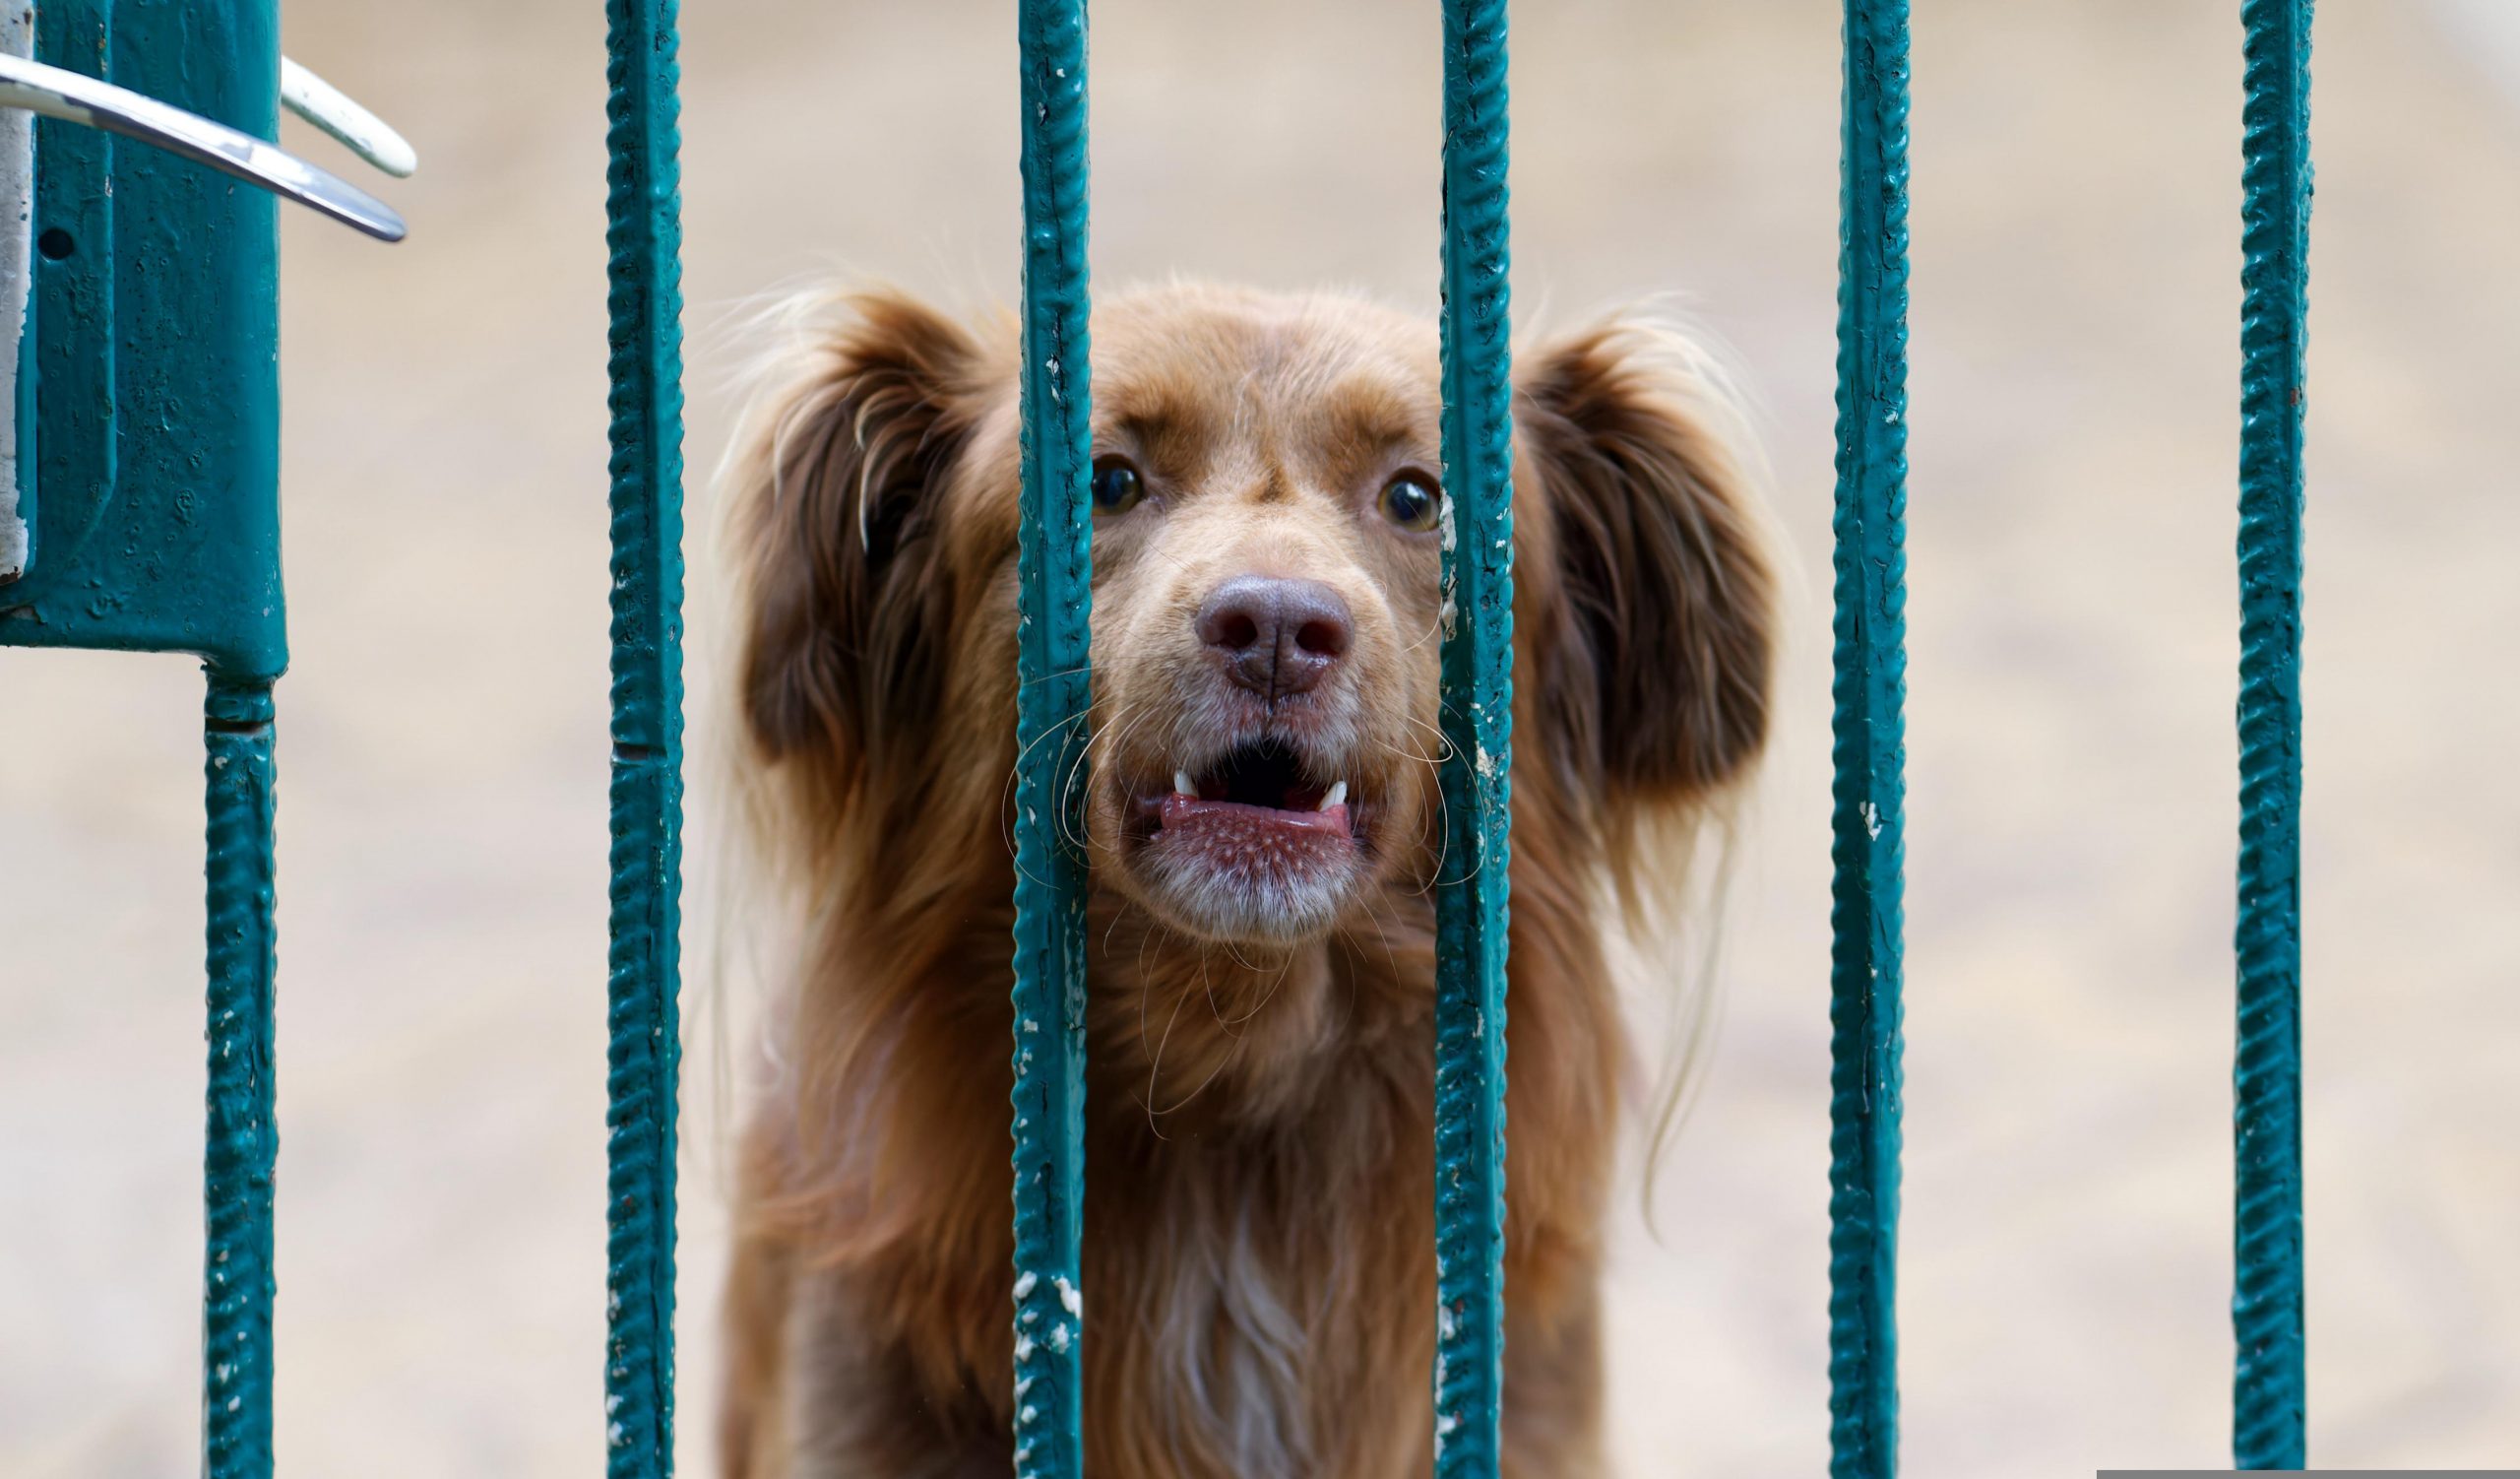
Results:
1263 827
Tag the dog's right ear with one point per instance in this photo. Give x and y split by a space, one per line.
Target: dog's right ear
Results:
847 596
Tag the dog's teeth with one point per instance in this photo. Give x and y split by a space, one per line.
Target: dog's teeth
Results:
1334 796
1181 784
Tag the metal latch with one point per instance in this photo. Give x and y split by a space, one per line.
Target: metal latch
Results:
359 131
57 93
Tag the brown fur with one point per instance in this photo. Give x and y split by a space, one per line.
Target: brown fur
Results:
1259 1266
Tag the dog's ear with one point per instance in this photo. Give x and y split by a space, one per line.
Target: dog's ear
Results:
1655 656
848 599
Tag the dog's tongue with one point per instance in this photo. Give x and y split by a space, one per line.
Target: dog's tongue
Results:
1226 821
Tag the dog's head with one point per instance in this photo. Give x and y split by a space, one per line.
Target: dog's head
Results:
1269 515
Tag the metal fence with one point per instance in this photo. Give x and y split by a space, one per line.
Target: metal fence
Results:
145 517
1478 686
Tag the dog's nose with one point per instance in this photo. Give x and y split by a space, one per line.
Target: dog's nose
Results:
1274 636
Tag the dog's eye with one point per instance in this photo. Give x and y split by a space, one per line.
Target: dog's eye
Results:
1117 487
1412 501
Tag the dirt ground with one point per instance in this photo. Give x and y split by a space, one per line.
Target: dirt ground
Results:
2076 302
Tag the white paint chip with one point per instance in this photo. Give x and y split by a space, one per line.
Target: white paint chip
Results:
17 261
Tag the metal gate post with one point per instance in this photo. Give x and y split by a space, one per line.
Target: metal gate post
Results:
141 505
150 464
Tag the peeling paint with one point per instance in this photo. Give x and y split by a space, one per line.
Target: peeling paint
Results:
17 276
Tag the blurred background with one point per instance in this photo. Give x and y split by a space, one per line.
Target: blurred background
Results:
2076 217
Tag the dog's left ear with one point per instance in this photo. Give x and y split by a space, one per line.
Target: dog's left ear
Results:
838 503
1653 662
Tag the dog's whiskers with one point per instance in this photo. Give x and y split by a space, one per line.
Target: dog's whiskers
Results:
1014 773
1071 819
1423 637
1155 1071
1224 1061
1266 998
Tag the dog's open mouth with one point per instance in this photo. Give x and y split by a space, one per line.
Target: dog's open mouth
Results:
1257 795
1253 842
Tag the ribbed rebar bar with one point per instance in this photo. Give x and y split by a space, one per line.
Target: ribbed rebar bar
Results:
1054 574
644 237
2269 1403
240 1141
1470 900
1870 748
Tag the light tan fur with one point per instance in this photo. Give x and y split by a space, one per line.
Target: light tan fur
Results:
1258 1267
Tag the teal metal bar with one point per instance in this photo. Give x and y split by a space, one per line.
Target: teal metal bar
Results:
2269 1401
1055 574
240 1143
644 235
1870 748
1472 898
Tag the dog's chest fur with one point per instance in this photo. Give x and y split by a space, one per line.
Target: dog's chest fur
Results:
1266 1299
1258 1265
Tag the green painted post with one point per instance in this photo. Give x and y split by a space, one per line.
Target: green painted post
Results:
158 516
2270 1403
1054 571
644 237
1870 748
157 528
1470 901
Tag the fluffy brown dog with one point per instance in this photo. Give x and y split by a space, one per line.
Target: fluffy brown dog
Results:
1263 825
